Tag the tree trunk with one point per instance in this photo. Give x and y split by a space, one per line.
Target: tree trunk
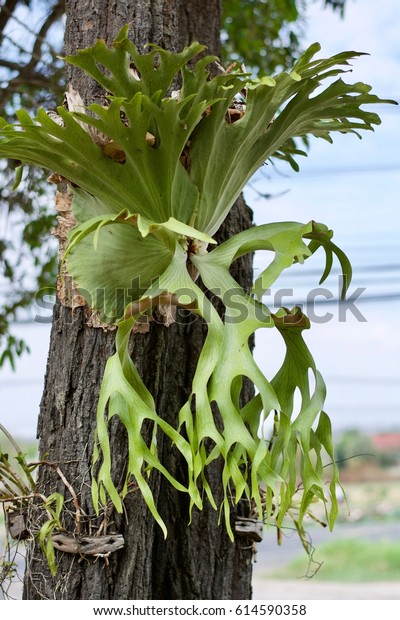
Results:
196 561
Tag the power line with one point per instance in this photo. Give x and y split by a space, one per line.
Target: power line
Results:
304 273
25 382
363 380
352 170
334 300
346 408
375 168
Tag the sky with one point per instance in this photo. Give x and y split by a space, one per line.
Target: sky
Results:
353 187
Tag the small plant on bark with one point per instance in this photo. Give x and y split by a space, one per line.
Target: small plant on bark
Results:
153 172
17 493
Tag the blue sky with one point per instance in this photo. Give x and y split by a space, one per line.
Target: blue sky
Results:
353 187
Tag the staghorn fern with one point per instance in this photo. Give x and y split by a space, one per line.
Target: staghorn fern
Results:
155 173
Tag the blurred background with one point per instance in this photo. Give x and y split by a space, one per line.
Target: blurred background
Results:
353 186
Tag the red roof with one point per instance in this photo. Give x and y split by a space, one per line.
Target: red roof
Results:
386 441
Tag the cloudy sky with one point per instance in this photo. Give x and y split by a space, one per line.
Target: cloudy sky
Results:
353 187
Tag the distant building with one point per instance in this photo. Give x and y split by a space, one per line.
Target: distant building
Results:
386 442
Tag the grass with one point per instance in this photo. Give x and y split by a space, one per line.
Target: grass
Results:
347 561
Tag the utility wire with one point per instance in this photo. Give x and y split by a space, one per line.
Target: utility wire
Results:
335 300
367 380
350 170
367 268
375 168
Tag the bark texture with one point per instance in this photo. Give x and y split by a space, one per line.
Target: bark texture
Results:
194 562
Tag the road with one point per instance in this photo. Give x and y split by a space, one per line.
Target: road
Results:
301 590
269 554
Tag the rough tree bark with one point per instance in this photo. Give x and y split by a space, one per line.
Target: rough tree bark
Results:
194 562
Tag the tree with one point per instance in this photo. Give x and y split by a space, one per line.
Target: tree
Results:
33 75
68 400
188 564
